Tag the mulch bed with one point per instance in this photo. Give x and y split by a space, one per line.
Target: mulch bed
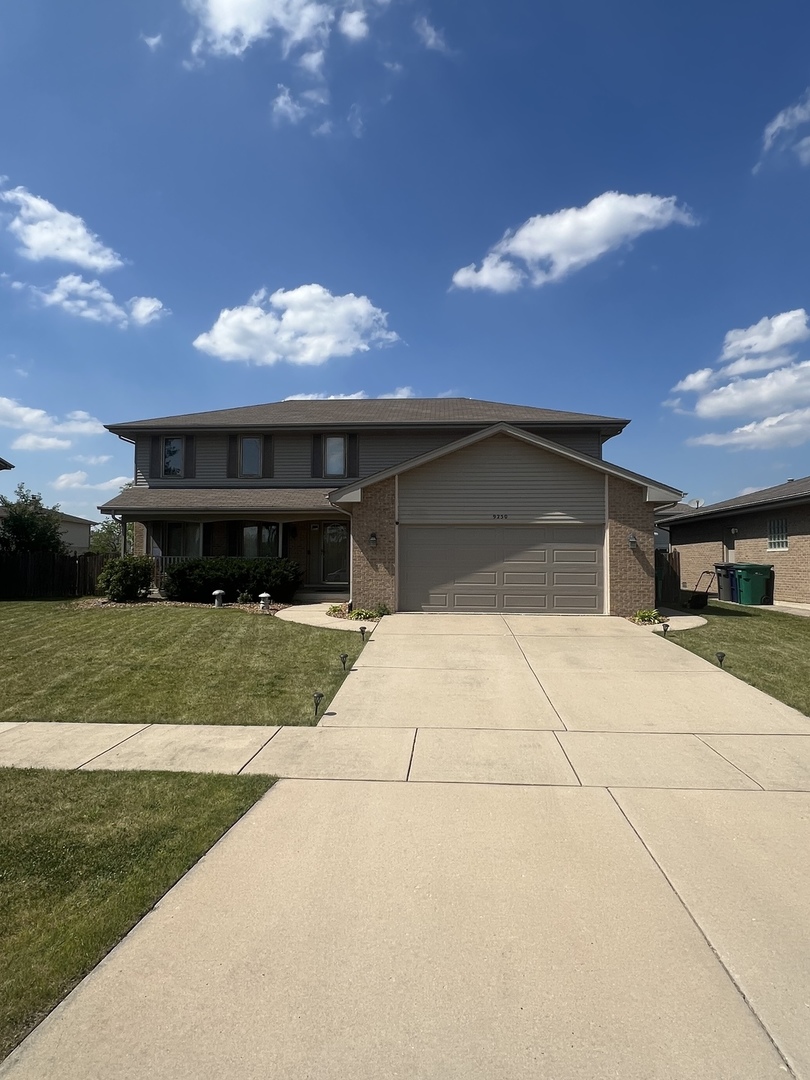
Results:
101 602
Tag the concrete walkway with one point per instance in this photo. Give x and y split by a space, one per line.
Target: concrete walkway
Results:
315 615
581 878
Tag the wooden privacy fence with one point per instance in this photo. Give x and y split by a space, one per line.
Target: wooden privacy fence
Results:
667 578
41 575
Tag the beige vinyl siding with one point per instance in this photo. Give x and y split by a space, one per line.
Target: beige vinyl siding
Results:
502 479
585 442
381 450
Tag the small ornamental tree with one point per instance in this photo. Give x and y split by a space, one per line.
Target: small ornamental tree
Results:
28 526
105 539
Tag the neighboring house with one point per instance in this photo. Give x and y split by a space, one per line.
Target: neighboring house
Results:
771 526
662 514
75 532
439 504
5 464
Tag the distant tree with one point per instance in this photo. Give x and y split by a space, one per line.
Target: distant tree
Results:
28 525
105 539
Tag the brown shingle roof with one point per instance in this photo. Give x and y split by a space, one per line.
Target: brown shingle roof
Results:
228 500
793 489
374 411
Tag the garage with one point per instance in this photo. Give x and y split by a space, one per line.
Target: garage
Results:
554 570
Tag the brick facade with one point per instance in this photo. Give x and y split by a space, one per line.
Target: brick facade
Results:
374 568
631 570
139 539
701 545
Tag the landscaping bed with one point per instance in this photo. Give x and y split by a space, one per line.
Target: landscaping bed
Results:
161 663
768 649
83 856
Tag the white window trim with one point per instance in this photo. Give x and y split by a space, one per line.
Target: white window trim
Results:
778 538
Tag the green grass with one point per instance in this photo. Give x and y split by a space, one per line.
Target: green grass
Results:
768 649
158 664
82 858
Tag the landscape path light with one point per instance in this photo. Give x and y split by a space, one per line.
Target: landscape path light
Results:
720 658
363 630
317 698
665 628
344 656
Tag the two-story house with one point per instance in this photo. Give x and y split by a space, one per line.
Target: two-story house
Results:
434 504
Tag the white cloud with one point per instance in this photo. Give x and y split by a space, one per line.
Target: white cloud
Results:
786 429
353 24
551 246
146 309
44 232
430 37
323 129
777 402
152 42
760 396
92 300
285 107
307 325
24 418
31 441
779 131
78 479
776 332
355 121
93 459
230 27
802 150
401 392
313 61
696 380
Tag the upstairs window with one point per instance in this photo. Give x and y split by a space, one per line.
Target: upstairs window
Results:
173 454
250 456
777 534
334 455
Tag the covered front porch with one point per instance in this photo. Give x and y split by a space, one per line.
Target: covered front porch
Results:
319 544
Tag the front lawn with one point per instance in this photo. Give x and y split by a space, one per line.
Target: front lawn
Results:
150 663
768 649
83 856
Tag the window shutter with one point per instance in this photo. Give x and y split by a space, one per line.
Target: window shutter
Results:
233 457
155 469
317 455
190 458
352 457
267 457
234 537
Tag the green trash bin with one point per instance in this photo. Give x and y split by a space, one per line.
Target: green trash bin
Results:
755 583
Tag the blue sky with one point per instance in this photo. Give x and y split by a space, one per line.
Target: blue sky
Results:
210 203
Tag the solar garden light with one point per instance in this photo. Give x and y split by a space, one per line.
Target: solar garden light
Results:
264 600
665 628
218 594
363 630
720 658
344 656
317 698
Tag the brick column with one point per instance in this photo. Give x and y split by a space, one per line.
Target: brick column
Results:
632 570
374 567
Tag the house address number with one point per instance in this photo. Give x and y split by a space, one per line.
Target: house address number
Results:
500 517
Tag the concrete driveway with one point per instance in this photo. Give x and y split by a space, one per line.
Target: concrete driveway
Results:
517 847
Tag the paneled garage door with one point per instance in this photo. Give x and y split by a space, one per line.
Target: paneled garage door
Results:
532 568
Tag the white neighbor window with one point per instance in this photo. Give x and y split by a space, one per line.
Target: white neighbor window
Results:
777 534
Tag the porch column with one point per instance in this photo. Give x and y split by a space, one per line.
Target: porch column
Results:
280 535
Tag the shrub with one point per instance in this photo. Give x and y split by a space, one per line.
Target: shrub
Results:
126 579
194 580
370 613
647 615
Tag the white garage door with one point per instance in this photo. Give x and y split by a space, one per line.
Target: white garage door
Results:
555 570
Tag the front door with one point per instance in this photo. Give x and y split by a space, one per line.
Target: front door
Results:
334 553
